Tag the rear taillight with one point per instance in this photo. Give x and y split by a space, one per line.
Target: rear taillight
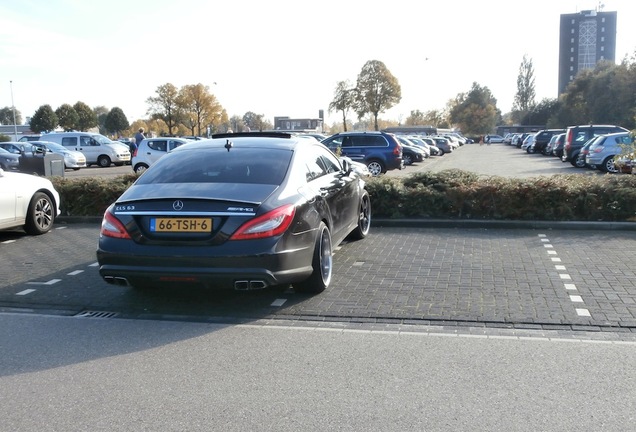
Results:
270 224
568 139
397 150
112 227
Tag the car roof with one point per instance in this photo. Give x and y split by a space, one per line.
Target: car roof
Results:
250 139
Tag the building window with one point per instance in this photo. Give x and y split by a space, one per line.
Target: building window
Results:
571 68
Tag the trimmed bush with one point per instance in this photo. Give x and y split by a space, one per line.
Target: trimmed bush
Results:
450 194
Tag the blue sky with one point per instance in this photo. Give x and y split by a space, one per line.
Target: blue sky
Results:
280 57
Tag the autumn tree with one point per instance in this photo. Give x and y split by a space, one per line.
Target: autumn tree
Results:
376 91
165 106
116 121
6 116
475 112
343 100
44 119
87 118
67 117
415 118
525 97
200 107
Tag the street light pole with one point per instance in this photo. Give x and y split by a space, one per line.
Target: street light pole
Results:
15 126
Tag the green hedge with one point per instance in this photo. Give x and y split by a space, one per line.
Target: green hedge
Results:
450 194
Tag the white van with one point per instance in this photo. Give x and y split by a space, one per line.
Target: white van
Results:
98 149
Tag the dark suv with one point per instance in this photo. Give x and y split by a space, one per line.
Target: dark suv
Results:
379 151
577 136
542 138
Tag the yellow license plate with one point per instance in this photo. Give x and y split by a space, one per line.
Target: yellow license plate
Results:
181 225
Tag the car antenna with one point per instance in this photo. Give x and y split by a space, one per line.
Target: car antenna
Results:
228 145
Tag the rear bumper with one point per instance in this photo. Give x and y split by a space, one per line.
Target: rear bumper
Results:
256 271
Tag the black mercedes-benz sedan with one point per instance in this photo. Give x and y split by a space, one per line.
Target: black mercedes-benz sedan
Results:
244 210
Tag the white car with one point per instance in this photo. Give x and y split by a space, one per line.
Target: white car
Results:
27 201
151 149
72 159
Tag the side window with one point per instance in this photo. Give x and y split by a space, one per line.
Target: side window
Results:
158 145
314 168
329 161
369 141
87 141
580 137
69 141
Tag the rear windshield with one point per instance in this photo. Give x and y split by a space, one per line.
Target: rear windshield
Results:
217 165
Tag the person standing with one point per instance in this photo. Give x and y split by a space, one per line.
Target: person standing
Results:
139 136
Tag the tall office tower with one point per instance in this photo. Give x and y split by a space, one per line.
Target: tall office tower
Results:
586 38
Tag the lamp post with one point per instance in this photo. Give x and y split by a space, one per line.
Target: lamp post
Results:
15 126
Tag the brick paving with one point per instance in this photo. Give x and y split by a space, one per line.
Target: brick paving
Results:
500 278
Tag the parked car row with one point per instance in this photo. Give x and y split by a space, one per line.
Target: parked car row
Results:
383 151
79 149
592 146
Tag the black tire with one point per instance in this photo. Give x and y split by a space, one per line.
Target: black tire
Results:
41 214
375 167
364 218
140 168
608 165
579 162
441 152
103 161
322 264
408 159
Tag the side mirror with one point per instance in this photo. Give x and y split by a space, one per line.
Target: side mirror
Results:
346 165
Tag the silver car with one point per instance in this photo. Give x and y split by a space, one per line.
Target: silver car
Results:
72 159
605 147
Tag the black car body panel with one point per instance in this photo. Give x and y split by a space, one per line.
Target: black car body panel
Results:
177 221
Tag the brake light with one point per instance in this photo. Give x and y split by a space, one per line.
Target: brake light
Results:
397 150
112 227
270 224
568 139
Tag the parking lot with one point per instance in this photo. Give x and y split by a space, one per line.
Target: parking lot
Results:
548 278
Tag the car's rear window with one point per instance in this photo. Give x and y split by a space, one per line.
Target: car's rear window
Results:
218 165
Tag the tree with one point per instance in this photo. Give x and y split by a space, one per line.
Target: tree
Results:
116 121
44 119
254 122
524 98
377 90
343 100
100 114
6 116
475 112
200 107
67 117
541 113
87 118
416 118
165 106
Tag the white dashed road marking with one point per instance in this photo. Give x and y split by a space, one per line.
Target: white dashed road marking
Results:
51 282
25 292
564 276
